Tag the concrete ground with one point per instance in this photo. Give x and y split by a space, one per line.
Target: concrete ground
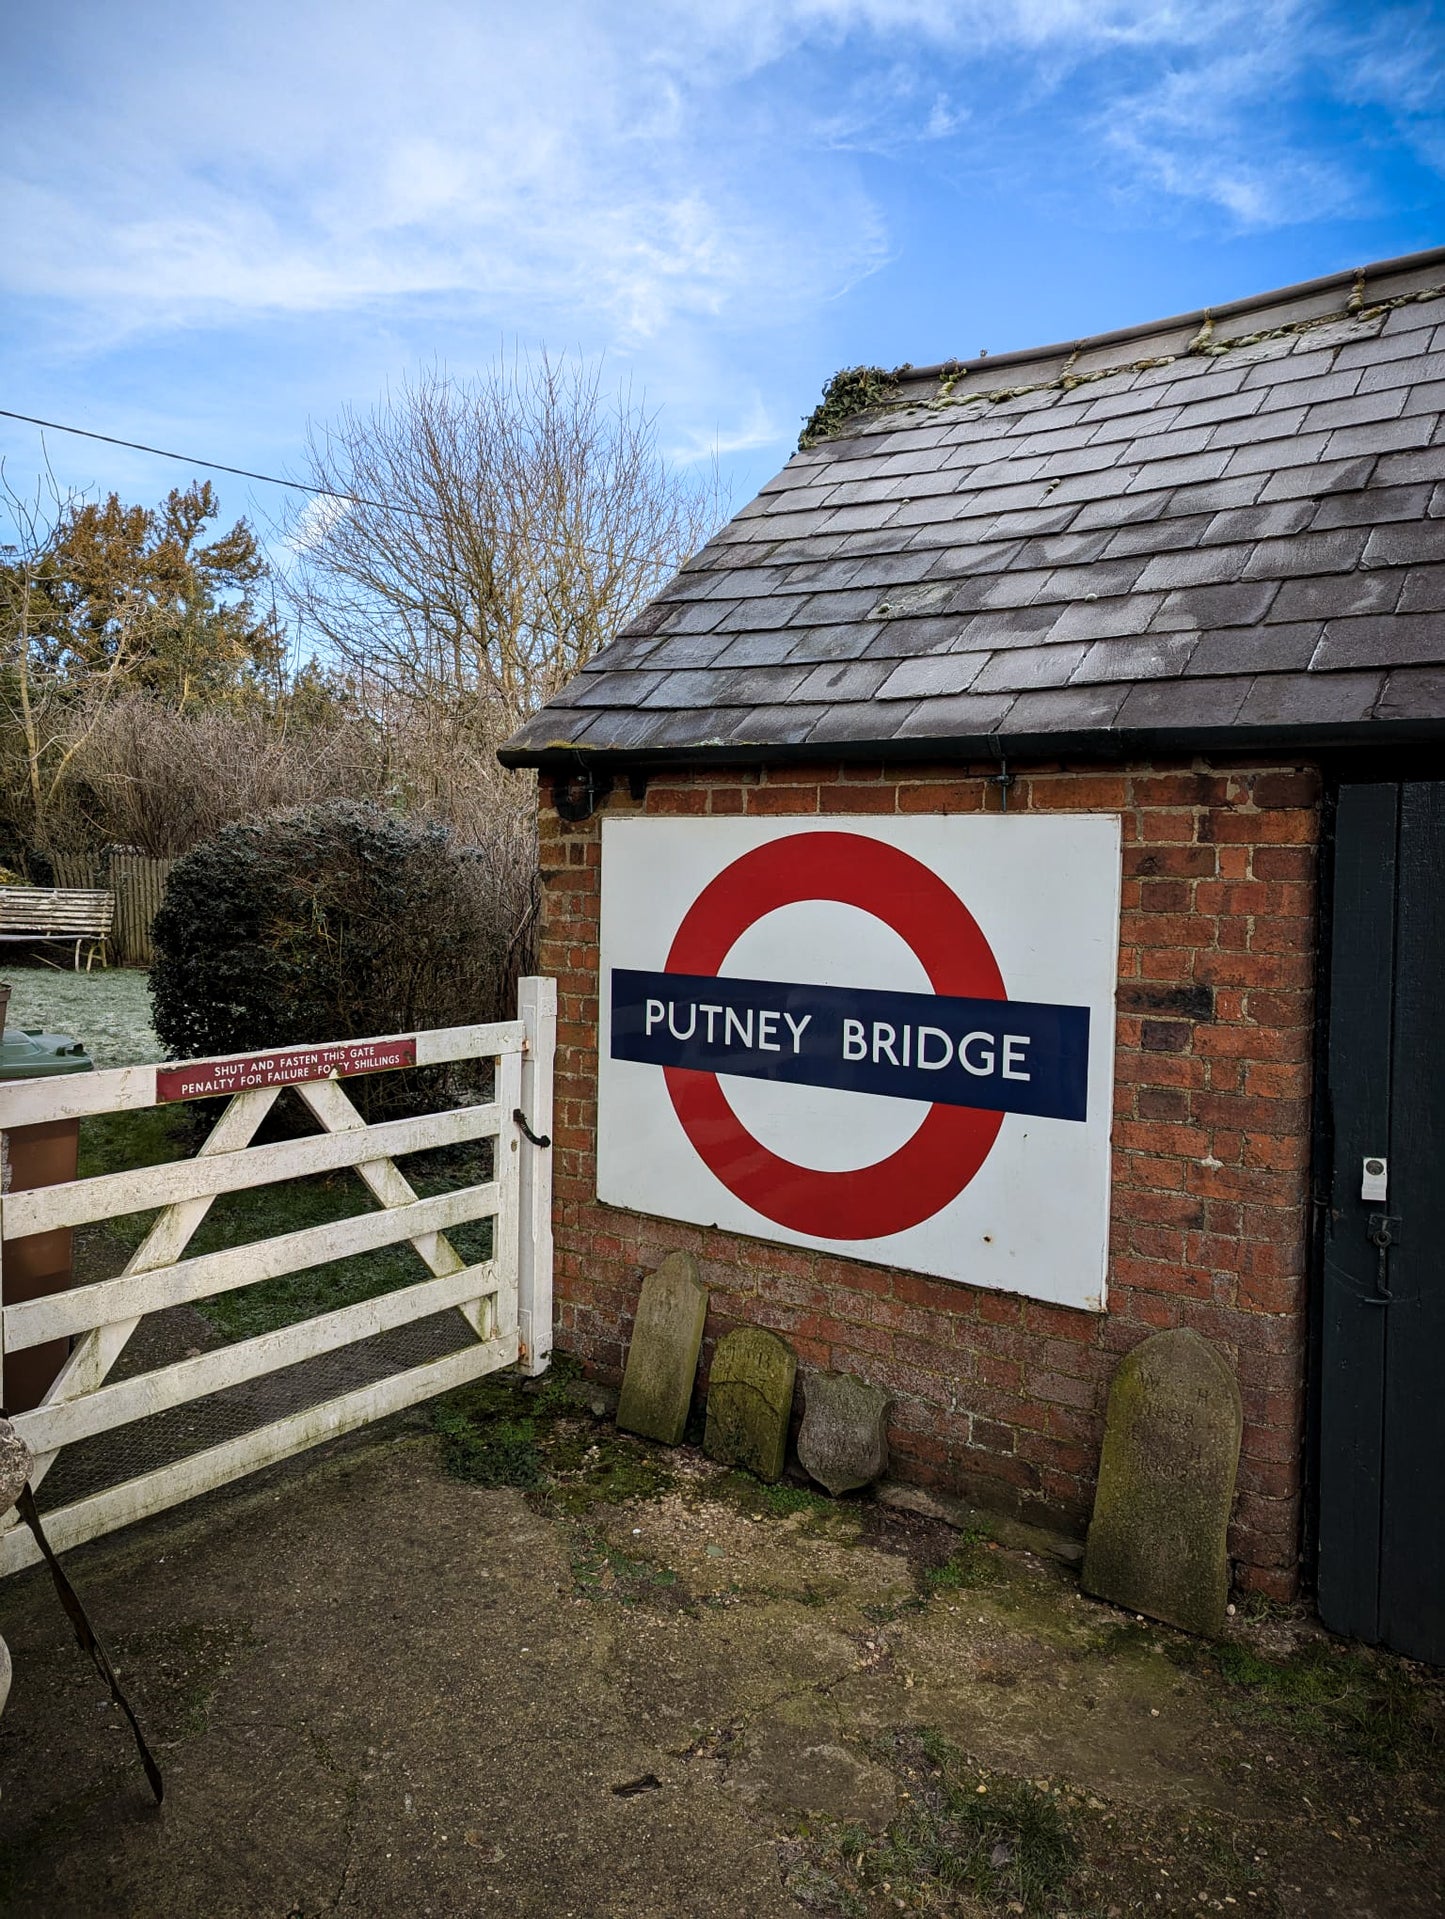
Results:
635 1685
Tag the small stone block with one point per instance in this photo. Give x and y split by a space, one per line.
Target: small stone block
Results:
662 1358
843 1442
750 1401
1166 1483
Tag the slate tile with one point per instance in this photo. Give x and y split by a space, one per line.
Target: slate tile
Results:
1337 551
1123 428
1012 587
1427 397
914 599
1363 409
627 688
760 616
860 723
1285 367
843 680
1184 706
1063 549
1225 406
626 650
858 519
699 616
967 562
1256 649
1420 463
1268 455
1215 496
904 639
1339 595
1159 536
1313 480
1065 709
777 725
1390 436
1191 609
1271 519
933 676
1085 459
1080 488
830 575
1137 510
1277 424
693 649
553 725
1424 592
1021 667
1310 699
832 642
731 686
1413 692
1413 318
1202 566
1053 517
1381 639
1376 352
1103 580
1323 387
1405 371
831 609
1008 626
1414 542
744 649
882 570
965 716
1107 619
1147 657
1372 506
1159 474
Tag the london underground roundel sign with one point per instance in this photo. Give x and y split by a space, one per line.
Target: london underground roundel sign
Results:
889 1039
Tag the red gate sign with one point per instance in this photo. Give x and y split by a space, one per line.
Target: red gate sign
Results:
206 1078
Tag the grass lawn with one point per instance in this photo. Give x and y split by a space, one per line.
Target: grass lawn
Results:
110 1012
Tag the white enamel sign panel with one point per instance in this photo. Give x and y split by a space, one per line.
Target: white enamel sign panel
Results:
887 1039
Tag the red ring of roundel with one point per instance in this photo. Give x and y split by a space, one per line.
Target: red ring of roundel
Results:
935 1165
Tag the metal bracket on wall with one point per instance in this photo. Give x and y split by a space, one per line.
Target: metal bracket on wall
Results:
577 796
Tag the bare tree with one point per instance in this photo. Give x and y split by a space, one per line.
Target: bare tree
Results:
482 538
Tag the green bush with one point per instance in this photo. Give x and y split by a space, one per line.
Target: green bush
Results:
334 921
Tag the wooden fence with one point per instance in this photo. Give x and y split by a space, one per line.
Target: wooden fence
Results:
506 1299
139 884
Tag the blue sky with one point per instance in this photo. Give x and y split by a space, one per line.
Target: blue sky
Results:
217 224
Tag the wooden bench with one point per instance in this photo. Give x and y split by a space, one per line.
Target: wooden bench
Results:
58 913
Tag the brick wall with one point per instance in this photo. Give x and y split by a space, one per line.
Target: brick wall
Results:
998 1397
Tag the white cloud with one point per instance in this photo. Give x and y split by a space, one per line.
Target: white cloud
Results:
611 176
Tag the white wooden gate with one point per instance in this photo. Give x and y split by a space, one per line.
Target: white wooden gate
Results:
507 1299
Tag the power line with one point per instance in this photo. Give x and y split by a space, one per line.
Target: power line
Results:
216 466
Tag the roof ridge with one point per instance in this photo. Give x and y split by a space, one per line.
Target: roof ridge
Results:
1353 277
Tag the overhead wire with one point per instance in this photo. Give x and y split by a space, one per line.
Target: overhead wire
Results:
217 466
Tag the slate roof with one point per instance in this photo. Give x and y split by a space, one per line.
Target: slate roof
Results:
1219 529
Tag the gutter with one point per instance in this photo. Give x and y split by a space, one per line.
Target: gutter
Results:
1093 743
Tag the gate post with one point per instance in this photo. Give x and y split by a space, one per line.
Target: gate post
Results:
537 1009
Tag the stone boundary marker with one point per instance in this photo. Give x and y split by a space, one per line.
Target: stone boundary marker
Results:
843 1441
662 1358
1166 1483
750 1401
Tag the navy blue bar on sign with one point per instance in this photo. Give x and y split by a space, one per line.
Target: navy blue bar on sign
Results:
1007 1056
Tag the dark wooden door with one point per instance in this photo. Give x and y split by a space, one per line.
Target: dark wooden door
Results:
1382 1270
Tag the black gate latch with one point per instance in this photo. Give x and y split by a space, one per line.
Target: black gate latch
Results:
1383 1233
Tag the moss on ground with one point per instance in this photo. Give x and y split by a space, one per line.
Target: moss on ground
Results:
961 1834
541 1437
